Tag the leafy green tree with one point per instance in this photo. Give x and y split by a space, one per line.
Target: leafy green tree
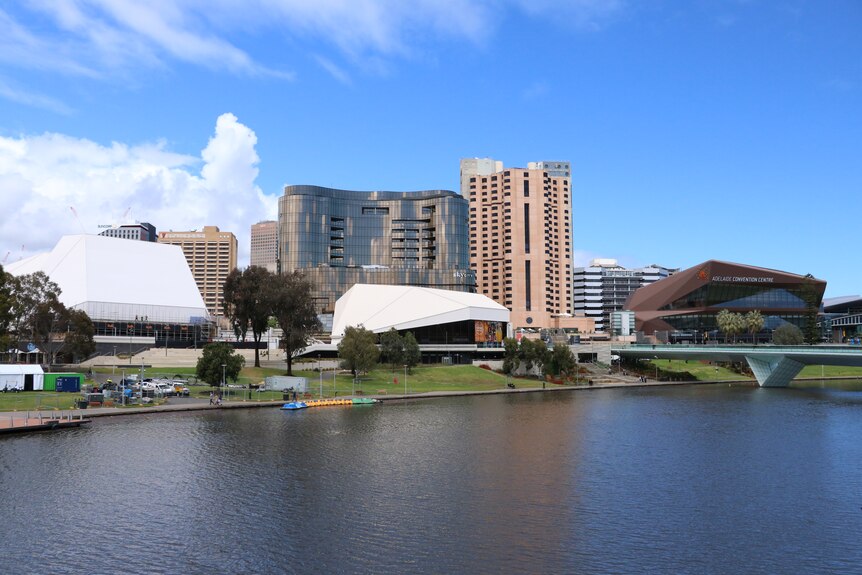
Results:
392 348
562 360
209 366
811 295
48 320
248 303
541 357
787 334
754 323
357 350
412 353
525 354
6 281
724 322
511 356
79 339
29 292
293 308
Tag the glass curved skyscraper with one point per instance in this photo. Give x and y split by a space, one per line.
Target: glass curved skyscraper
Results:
339 238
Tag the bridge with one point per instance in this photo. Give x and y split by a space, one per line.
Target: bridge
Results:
773 366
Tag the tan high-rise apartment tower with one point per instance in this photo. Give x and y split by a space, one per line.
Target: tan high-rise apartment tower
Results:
264 245
211 255
520 243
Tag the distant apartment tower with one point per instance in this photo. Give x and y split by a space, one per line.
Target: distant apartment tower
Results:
339 238
521 244
264 245
211 255
141 231
471 167
604 286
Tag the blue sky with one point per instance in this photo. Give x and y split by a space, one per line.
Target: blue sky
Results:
696 129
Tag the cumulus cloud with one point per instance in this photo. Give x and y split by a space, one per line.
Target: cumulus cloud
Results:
54 184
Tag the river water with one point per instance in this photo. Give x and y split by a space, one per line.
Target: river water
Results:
690 479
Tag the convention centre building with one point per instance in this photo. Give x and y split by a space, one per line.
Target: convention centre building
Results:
687 302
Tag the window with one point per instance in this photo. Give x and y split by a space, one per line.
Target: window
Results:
526 189
527 286
527 228
374 211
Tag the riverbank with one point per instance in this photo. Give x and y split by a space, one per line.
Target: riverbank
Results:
194 404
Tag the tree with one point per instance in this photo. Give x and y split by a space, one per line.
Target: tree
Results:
511 356
28 292
48 319
79 339
754 323
293 308
525 354
412 353
541 356
357 350
724 322
209 366
562 360
6 281
392 348
787 334
248 303
811 295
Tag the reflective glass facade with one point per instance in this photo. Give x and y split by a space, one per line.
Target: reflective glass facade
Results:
691 299
339 238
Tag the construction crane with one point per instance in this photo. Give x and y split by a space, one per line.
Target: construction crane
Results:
6 257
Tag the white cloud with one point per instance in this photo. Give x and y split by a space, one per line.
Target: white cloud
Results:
42 177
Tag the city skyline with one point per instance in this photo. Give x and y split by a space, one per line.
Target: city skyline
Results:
695 131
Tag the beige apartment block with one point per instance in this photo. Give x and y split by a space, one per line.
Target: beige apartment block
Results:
264 245
520 245
211 255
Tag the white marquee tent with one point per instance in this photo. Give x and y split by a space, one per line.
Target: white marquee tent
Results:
15 375
381 307
115 279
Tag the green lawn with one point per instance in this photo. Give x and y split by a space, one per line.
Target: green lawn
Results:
33 400
678 369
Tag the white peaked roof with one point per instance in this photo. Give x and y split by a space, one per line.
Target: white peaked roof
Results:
381 307
119 279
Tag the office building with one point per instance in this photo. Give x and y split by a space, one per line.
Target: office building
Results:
211 255
340 238
684 306
471 167
520 245
264 245
553 169
141 231
604 286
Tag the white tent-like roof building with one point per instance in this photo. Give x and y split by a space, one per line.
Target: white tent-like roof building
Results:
114 279
381 307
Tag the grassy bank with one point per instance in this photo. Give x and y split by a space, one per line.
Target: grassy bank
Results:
704 371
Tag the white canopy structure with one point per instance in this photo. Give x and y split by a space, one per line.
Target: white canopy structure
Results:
114 279
381 307
21 376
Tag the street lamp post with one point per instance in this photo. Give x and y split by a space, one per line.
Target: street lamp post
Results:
223 377
113 367
656 366
405 379
320 372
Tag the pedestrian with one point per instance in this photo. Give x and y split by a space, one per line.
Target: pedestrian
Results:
294 395
212 398
218 400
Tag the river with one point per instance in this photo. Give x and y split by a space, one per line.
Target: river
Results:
688 479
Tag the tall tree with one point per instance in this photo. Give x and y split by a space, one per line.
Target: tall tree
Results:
209 366
48 320
754 323
412 354
358 350
811 295
392 348
562 360
511 356
725 323
79 339
248 303
6 282
28 292
293 308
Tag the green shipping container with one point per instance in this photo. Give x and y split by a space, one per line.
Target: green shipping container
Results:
65 379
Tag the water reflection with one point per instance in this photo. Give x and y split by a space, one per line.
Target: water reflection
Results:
702 479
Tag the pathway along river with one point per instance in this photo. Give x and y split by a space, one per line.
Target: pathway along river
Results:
692 479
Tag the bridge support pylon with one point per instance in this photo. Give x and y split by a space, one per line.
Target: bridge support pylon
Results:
774 372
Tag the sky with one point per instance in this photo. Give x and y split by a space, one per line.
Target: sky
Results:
696 129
